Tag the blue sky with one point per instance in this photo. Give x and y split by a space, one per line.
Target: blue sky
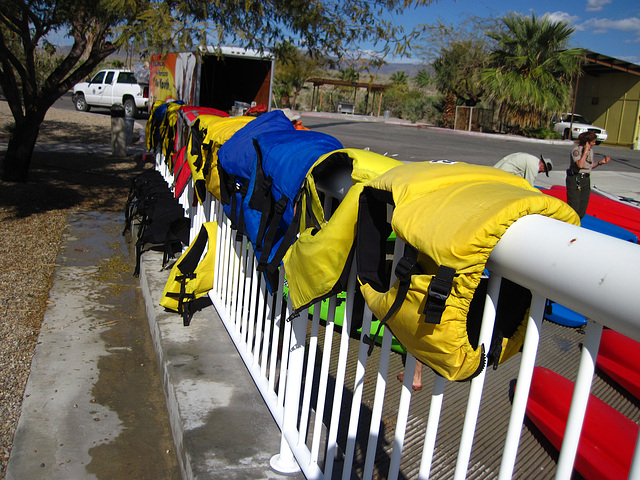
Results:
608 27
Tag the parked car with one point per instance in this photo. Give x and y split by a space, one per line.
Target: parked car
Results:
580 125
111 87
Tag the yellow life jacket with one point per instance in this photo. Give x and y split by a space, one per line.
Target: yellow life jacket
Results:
316 263
190 279
151 129
208 134
168 132
450 215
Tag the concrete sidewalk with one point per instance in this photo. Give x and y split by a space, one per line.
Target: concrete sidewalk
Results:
94 406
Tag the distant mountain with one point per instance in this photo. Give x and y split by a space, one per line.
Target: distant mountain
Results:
411 69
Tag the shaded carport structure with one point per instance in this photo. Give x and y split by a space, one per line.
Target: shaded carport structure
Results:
608 94
371 88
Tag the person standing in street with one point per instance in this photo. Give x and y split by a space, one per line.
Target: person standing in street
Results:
525 165
579 173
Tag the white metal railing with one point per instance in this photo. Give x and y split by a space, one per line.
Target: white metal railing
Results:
293 363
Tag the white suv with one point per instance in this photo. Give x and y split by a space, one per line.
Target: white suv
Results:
580 125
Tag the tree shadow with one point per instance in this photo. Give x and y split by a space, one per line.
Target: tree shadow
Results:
77 181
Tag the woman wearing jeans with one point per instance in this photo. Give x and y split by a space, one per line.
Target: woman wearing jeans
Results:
579 172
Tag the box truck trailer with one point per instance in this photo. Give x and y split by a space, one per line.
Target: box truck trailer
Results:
227 78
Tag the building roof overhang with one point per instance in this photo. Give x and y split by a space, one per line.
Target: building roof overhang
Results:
596 63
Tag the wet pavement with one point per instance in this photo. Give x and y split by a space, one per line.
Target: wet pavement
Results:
120 389
93 406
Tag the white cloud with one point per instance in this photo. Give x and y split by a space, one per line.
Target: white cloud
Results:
603 25
562 17
596 5
634 59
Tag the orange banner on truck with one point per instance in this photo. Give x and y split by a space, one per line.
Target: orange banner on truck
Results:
173 77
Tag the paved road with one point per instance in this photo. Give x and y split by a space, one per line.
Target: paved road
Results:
66 103
410 143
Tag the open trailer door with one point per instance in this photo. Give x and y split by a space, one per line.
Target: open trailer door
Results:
226 78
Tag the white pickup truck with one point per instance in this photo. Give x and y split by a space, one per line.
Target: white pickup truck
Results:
110 87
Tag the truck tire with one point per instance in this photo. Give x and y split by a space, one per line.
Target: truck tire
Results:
565 134
81 103
130 109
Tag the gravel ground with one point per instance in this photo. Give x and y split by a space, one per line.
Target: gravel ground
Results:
32 219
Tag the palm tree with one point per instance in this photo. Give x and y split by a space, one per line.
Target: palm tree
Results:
423 78
293 69
532 69
399 78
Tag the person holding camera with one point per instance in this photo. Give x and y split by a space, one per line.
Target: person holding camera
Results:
578 179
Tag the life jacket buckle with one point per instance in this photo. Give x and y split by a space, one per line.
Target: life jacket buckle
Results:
266 185
281 206
437 294
404 269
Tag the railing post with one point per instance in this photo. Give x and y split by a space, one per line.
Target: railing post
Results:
475 391
285 462
579 400
519 406
431 432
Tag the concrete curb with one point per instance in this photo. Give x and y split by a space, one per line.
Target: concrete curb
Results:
221 425
400 122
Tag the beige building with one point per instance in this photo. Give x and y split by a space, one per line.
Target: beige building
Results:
608 95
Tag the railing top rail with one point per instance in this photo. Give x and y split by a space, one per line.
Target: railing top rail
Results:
588 272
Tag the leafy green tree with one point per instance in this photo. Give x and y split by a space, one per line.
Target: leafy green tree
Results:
349 74
458 54
100 27
532 69
293 69
458 70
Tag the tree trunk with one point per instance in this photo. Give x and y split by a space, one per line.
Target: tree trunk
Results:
294 102
449 113
17 159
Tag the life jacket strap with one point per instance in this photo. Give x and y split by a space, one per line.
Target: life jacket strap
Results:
196 138
406 267
265 209
227 185
270 235
439 291
261 199
189 308
244 188
207 148
311 214
285 243
233 187
136 271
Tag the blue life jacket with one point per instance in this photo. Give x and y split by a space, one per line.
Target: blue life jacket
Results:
237 162
274 203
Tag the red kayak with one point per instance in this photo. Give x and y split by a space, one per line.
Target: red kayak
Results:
192 112
608 438
617 358
612 211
